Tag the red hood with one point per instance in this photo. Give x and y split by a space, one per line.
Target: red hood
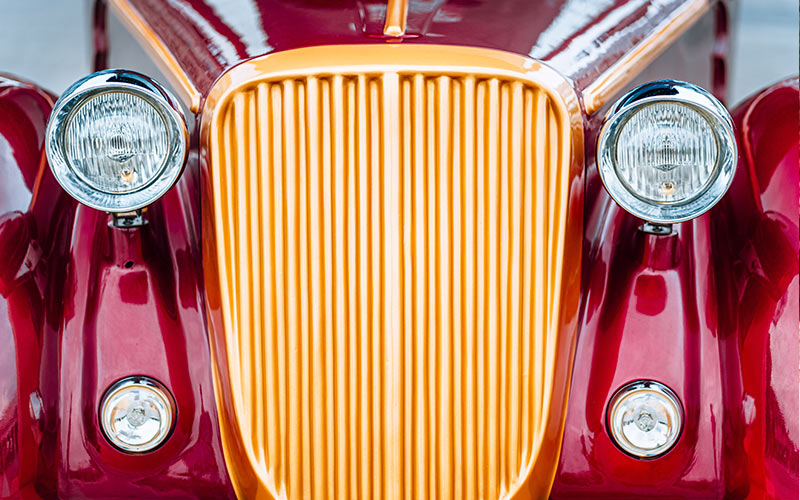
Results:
579 38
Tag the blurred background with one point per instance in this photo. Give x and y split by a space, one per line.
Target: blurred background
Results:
765 42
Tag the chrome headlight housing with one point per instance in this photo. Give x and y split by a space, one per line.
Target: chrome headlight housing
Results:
667 152
117 141
137 414
644 419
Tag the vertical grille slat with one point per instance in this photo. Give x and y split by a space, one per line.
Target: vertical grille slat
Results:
539 313
365 272
443 204
514 286
469 270
407 263
354 286
303 287
293 349
341 317
457 380
391 242
420 293
254 251
528 257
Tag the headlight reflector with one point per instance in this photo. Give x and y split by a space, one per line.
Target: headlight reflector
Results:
137 414
667 152
645 418
116 141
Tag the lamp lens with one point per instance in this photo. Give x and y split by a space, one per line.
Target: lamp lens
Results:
666 153
117 142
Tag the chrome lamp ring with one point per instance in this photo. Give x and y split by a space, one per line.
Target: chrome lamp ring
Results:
117 81
137 414
645 419
700 101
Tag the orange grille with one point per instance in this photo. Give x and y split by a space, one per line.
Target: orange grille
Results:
389 248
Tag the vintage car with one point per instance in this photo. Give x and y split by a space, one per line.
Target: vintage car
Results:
403 249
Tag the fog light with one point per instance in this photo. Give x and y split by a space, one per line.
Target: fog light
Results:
645 419
137 414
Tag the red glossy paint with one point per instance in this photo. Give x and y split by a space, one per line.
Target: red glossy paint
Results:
134 306
83 305
579 38
761 213
712 312
32 206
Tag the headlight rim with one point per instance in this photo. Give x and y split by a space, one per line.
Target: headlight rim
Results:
110 81
700 101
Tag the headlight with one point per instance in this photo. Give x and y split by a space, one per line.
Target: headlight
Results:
137 414
645 419
666 152
116 141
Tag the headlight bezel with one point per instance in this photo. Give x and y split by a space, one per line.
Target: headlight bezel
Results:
119 395
117 81
625 399
701 102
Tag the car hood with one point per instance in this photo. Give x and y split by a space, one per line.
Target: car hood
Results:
581 39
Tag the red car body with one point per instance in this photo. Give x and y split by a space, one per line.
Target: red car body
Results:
83 304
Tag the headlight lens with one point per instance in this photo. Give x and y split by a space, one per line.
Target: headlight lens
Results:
667 152
116 141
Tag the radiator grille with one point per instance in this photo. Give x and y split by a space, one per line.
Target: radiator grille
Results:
389 253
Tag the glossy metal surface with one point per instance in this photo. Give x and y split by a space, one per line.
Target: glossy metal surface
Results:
122 81
133 305
69 300
632 62
396 18
761 299
685 94
30 247
392 270
162 54
712 312
730 277
599 45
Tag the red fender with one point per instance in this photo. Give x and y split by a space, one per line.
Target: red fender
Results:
712 312
134 306
761 213
84 305
35 215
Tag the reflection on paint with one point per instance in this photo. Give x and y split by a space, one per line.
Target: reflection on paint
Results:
574 17
584 49
221 48
244 19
